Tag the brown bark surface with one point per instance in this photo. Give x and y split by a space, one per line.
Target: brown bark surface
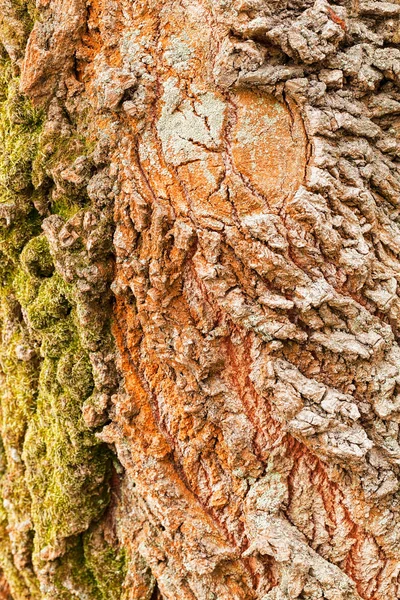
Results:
248 150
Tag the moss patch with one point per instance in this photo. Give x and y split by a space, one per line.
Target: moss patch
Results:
54 473
107 564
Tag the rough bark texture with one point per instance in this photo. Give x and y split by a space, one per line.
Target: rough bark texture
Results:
200 361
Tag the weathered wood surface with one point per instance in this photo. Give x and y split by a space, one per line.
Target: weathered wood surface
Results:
200 309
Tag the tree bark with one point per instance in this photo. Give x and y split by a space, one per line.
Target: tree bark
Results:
199 237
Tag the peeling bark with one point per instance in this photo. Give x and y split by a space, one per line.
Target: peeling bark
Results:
200 359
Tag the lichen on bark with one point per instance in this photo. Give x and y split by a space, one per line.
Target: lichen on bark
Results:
199 306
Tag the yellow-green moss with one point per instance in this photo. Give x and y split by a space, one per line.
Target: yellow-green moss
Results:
36 258
108 565
16 22
19 131
66 466
54 472
20 127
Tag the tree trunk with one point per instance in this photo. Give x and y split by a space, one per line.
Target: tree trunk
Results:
199 238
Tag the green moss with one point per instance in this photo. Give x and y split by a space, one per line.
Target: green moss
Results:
26 287
57 148
17 402
74 569
18 587
16 23
36 257
57 337
13 239
54 472
50 304
107 564
20 127
67 468
74 372
65 207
